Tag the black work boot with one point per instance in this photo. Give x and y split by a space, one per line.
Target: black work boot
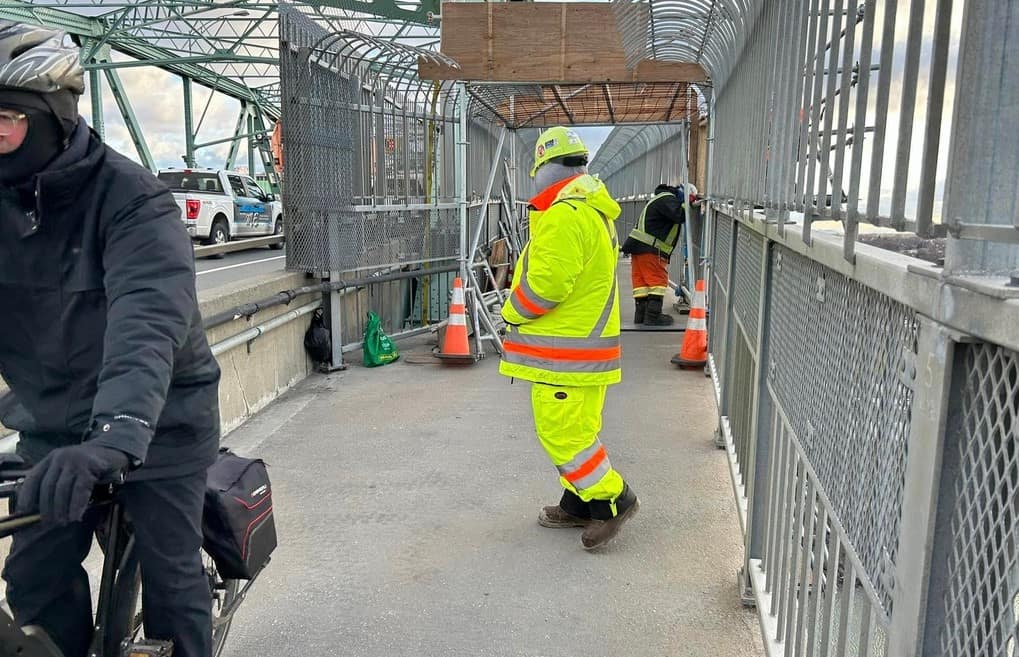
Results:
570 512
640 309
606 521
654 315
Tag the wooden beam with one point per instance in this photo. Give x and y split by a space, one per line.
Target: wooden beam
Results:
550 42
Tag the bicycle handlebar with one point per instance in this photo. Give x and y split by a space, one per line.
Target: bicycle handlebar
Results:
12 479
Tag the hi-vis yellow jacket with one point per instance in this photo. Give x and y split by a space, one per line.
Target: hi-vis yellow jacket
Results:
563 308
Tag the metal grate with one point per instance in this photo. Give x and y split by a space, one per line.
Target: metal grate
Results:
982 602
838 351
746 296
723 248
368 175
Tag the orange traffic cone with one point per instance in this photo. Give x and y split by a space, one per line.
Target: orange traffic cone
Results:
694 352
455 346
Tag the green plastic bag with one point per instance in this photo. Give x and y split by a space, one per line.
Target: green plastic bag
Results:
378 347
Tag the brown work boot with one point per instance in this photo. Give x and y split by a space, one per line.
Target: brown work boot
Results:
555 518
570 512
604 526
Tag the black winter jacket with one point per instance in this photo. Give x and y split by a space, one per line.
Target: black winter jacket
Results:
662 215
101 337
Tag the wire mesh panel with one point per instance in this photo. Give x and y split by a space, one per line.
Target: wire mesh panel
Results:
837 355
746 286
982 601
369 149
723 247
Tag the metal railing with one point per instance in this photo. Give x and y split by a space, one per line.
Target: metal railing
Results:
870 414
869 401
238 245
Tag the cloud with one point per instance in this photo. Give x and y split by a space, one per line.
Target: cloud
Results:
157 98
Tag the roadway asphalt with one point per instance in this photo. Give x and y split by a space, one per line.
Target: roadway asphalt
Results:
237 266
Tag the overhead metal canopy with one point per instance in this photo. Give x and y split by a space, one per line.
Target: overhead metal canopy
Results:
711 33
231 46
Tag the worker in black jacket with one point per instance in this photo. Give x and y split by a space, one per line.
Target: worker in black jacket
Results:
102 348
651 243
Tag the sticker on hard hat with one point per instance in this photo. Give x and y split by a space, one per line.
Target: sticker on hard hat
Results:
550 143
541 150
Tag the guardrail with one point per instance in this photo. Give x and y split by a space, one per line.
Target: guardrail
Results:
869 413
238 245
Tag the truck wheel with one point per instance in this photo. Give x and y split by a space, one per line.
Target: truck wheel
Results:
219 234
277 232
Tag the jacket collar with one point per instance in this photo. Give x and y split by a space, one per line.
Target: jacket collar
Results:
60 183
545 199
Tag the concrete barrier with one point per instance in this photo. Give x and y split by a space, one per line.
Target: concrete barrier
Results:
258 371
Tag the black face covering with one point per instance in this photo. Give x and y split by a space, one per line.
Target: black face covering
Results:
43 142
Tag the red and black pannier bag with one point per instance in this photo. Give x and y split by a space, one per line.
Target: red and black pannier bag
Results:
238 525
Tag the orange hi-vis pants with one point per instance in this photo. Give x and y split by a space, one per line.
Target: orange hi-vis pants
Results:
649 275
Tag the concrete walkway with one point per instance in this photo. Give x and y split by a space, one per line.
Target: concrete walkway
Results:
406 501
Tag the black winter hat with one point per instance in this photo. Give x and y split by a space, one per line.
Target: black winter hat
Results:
62 105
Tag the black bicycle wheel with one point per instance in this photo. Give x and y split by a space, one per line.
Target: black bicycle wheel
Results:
224 597
126 617
125 606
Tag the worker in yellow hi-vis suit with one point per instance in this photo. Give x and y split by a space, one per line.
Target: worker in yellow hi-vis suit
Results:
563 334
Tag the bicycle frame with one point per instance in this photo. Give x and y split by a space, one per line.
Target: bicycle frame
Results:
33 642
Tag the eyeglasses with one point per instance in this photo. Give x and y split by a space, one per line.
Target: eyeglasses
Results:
9 122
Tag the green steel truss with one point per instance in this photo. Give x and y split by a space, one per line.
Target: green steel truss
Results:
229 46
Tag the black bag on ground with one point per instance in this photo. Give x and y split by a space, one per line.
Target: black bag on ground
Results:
238 525
317 341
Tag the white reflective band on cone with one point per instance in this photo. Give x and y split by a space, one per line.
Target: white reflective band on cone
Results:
458 296
697 325
460 320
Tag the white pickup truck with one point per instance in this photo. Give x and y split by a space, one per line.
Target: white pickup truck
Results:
218 206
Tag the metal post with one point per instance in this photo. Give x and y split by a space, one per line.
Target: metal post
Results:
461 176
980 188
483 212
189 120
760 428
126 111
931 376
336 324
96 96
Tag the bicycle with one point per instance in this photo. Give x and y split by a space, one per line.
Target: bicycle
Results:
118 620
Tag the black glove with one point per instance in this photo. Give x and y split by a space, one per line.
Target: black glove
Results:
60 487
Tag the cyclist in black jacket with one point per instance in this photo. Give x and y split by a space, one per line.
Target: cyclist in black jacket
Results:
103 350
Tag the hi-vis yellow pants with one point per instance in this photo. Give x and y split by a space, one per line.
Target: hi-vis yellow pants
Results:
567 420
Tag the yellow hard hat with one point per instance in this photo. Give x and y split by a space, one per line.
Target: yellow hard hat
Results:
556 142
